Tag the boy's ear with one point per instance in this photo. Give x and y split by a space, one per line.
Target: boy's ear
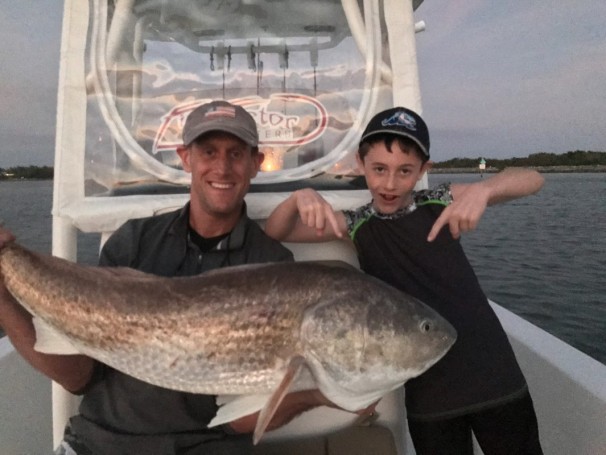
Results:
427 166
360 163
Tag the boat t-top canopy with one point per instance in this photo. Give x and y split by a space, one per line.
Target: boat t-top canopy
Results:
312 73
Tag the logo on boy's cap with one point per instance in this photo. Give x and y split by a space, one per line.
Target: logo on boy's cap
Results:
402 119
399 121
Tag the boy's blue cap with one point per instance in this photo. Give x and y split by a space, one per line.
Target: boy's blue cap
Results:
400 122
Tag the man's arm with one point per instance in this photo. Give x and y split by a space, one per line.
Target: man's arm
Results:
305 217
73 372
470 200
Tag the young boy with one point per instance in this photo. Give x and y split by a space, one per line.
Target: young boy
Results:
399 238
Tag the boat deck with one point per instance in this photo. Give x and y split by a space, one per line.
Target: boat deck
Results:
568 388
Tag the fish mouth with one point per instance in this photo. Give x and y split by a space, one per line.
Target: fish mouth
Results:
452 333
449 341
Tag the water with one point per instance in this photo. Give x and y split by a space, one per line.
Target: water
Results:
25 209
542 257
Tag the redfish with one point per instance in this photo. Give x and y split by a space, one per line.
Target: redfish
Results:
264 330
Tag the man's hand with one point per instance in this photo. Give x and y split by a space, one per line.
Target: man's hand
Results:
6 237
73 372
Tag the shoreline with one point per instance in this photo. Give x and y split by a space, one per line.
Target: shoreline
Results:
543 169
594 168
597 168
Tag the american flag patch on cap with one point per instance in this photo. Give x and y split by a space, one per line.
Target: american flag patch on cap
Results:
221 111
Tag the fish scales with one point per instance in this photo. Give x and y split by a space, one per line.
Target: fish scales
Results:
234 330
161 318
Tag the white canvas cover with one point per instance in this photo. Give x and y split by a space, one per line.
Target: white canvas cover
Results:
311 73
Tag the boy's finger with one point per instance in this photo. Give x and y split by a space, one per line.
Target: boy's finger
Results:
455 229
309 217
320 221
332 219
437 227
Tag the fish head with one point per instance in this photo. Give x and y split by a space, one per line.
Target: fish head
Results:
405 336
364 347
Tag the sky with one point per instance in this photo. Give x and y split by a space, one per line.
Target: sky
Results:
498 79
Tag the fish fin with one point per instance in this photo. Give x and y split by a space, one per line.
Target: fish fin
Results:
50 341
270 408
233 407
226 399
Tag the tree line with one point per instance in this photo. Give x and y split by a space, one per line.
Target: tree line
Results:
575 158
27 172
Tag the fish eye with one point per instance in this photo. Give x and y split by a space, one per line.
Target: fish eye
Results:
425 326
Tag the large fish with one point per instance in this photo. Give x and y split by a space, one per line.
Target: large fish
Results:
257 329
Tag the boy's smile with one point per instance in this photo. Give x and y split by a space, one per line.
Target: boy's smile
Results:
391 176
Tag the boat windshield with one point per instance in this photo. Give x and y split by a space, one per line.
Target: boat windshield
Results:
295 66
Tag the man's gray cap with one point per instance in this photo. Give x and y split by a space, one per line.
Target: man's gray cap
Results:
220 116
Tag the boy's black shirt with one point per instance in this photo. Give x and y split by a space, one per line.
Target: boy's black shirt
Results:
480 370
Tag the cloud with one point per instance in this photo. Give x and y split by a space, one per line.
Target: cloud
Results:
511 79
506 78
29 74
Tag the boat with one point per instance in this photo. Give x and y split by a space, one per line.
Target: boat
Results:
312 73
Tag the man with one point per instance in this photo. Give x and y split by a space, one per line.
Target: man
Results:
122 415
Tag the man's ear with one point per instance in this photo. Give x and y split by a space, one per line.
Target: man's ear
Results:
258 161
184 154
